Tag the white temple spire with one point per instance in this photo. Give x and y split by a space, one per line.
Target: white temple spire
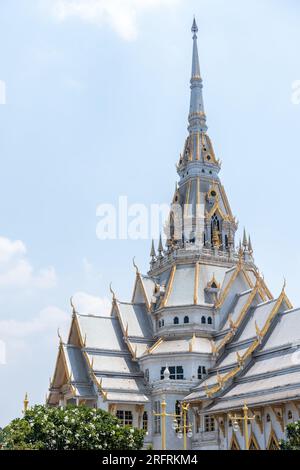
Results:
197 118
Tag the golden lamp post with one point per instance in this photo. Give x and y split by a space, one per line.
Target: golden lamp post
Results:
183 430
25 403
245 418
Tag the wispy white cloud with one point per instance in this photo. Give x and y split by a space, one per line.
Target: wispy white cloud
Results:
85 303
49 319
22 336
17 271
121 15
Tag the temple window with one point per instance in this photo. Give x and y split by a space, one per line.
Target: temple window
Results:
186 320
157 409
145 421
209 424
226 241
268 418
290 415
176 321
201 372
176 373
203 320
125 417
209 321
146 375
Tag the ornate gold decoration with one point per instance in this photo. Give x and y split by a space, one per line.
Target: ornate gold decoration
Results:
135 266
112 292
234 445
192 343
253 443
73 306
216 238
208 392
273 443
169 287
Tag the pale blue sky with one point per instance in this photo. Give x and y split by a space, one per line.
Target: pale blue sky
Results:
97 103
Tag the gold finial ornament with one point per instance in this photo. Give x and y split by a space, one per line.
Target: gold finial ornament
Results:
216 237
59 336
25 403
73 306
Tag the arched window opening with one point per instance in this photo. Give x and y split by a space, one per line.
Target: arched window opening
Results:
290 415
268 418
201 372
186 319
203 321
145 421
209 321
176 321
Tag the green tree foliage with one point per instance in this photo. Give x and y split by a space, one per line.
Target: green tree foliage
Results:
70 428
293 437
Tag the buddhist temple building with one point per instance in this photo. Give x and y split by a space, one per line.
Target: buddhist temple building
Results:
202 326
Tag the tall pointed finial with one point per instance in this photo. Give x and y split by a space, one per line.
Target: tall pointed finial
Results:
112 292
59 336
197 118
250 248
73 306
135 265
160 247
25 403
245 241
153 253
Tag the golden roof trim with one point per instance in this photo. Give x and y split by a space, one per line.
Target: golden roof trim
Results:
196 283
169 287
